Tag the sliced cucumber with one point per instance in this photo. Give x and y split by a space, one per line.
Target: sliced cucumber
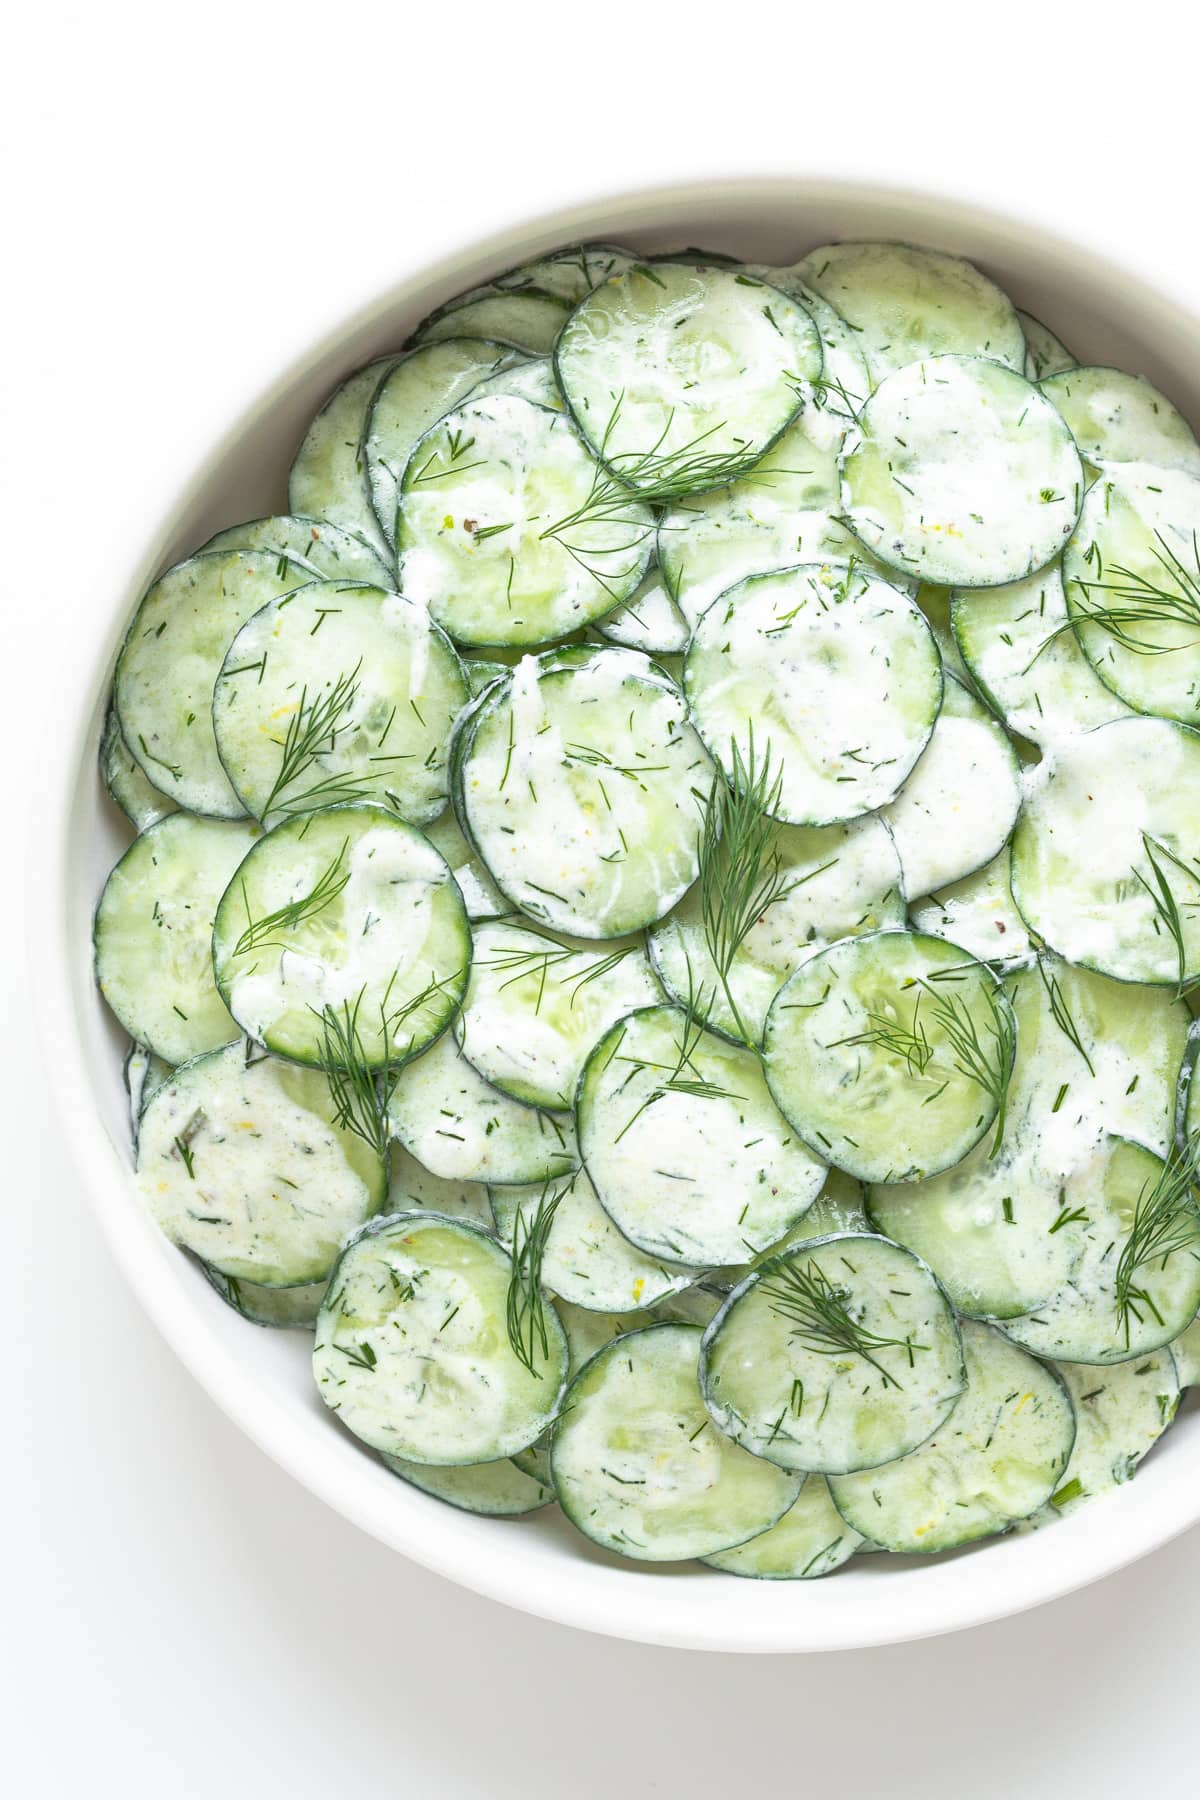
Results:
412 1187
1120 1414
650 620
238 1162
412 1352
568 274
524 319
530 378
343 922
838 1208
586 1259
963 474
311 544
1093 1317
958 807
1185 1351
143 1072
418 390
588 1331
908 304
481 897
840 880
170 661
842 665
498 1490
1018 644
687 1151
282 1309
328 477
464 1129
338 692
999 1457
1132 579
811 1539
1045 354
844 381
839 1354
1120 418
979 914
1093 1055
508 532
127 781
153 934
890 1053
681 375
638 1465
934 602
580 783
1101 866
536 1005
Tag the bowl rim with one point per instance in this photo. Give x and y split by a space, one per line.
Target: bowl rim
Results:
601 1599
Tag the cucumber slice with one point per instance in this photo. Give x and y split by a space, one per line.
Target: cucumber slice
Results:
525 320
588 1331
1045 354
840 1354
481 897
957 809
1132 580
328 476
1120 1414
840 880
934 603
786 510
532 378
890 1053
649 620
568 274
1093 1055
1091 1318
507 530
907 304
1120 418
537 1004
580 782
1185 1352
998 1459
686 1149
335 693
497 1490
680 376
412 1352
535 1462
344 920
842 665
153 934
838 1208
312 544
238 1162
638 1465
586 1260
412 1187
962 473
979 914
143 1072
170 661
1101 865
282 1309
464 1129
1017 642
417 391
127 781
844 381
811 1539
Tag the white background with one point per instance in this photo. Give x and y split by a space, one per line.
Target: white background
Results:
194 195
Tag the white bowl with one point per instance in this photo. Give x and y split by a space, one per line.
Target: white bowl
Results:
261 1378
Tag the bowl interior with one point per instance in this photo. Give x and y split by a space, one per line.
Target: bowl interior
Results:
262 1378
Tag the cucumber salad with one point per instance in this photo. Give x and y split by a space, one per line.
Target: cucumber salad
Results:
664 920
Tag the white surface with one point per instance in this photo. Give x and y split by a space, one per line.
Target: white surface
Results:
177 1610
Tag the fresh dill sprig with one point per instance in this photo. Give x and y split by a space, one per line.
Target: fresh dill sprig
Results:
984 1057
910 1043
684 1075
355 1085
518 964
741 872
1061 1013
1133 600
329 884
1165 1221
1167 914
525 1316
818 1311
312 732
